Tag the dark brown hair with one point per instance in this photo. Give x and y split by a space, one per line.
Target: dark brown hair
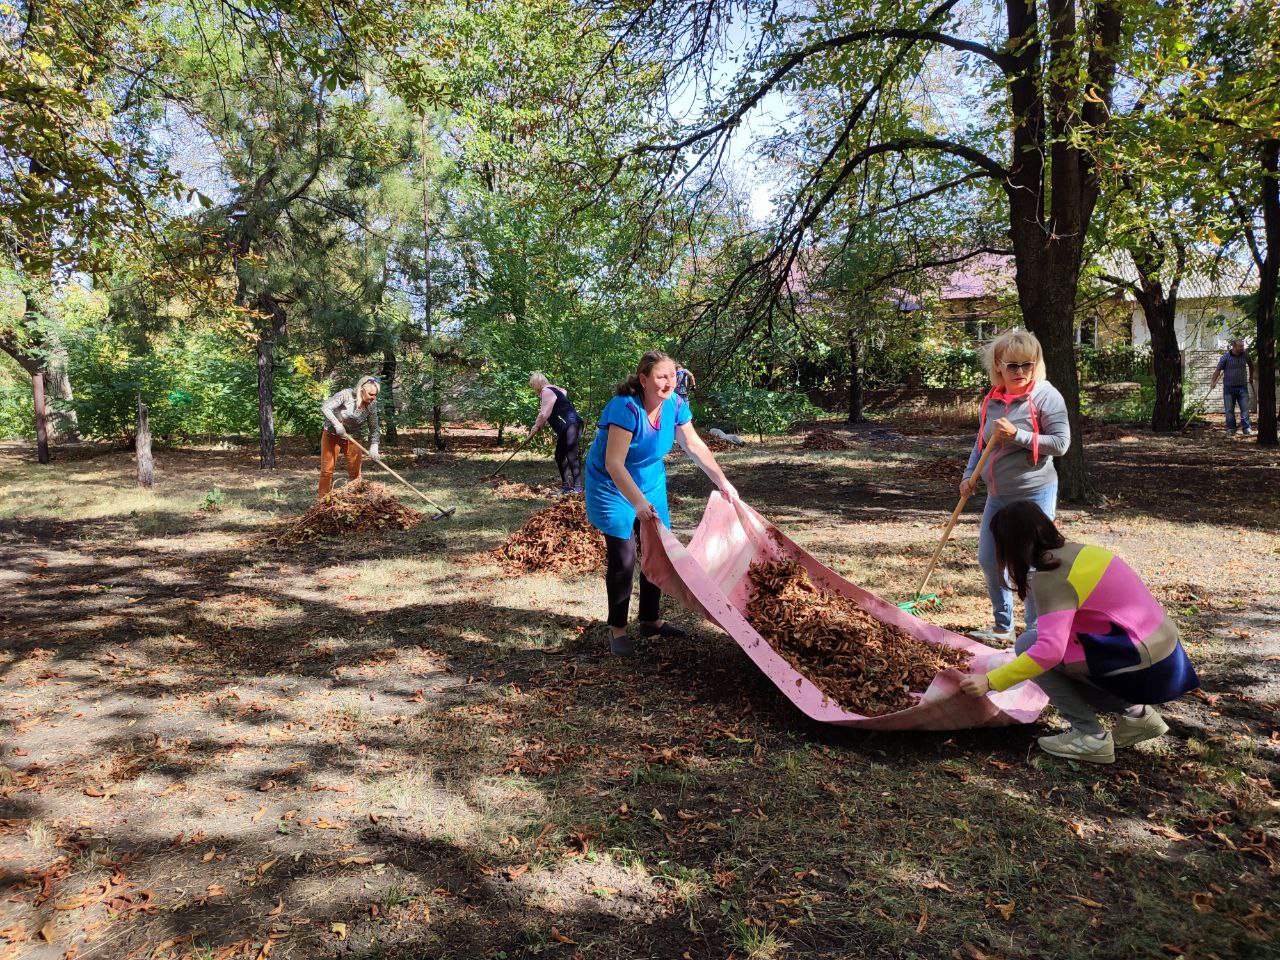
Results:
1023 537
631 387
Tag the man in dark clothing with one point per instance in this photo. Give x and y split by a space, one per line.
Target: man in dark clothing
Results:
685 381
1236 370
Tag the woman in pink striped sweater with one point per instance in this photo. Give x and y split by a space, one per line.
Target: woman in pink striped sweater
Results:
1102 641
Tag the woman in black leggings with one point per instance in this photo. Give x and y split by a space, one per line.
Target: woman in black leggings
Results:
558 411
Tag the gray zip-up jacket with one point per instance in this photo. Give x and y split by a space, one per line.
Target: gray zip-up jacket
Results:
341 408
1024 462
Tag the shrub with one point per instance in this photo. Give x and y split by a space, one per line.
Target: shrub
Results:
759 410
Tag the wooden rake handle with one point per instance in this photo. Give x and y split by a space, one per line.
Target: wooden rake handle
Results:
385 467
955 515
520 446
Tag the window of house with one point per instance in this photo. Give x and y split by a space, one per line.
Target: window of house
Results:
1087 332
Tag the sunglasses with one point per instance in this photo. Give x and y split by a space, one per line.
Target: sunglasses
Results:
1025 366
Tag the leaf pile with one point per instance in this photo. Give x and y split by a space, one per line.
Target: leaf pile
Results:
943 468
864 665
716 445
824 440
558 539
360 507
513 489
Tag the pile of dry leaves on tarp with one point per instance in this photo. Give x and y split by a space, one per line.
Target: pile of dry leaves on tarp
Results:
360 507
824 440
558 539
716 445
864 665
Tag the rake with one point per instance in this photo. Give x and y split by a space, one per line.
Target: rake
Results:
442 512
520 446
921 598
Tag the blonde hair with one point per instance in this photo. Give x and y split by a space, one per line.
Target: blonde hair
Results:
538 380
1017 343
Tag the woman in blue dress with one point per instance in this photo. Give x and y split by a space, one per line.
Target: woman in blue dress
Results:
627 480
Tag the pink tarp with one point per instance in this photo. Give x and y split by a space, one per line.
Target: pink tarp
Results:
709 575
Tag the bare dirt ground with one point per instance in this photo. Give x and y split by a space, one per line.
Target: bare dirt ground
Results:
213 748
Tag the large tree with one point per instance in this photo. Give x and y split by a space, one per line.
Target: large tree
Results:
296 238
76 167
1039 78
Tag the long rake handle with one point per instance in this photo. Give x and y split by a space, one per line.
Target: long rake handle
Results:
518 448
394 474
955 515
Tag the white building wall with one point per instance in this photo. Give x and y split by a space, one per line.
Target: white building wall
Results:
1199 324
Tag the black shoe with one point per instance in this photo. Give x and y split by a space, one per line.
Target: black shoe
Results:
668 630
622 646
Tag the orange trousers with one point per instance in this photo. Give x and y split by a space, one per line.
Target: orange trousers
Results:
329 447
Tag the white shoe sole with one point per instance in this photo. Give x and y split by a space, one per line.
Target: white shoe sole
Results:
1086 757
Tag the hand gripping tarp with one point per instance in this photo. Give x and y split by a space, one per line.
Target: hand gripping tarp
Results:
710 576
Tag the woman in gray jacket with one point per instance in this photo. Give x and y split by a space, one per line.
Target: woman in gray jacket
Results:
347 411
1027 416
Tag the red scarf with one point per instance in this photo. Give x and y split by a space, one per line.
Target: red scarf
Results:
1004 396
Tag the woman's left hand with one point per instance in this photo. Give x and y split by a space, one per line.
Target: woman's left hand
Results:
728 491
976 685
1006 429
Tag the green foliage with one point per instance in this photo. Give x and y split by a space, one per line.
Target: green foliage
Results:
1138 407
193 384
1114 363
212 501
761 411
17 416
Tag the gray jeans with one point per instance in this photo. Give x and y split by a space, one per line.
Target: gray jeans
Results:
1078 700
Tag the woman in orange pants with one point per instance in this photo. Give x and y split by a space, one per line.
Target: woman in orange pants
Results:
347 411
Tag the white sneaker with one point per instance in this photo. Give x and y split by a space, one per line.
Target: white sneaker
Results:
1131 730
1075 745
987 636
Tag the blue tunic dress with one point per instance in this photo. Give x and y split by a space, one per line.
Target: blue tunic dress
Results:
607 509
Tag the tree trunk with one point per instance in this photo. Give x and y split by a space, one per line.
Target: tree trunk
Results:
266 402
1166 358
63 424
1265 344
42 428
389 388
142 447
437 424
272 319
855 380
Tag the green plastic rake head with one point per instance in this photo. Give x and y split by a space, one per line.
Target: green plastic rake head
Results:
921 602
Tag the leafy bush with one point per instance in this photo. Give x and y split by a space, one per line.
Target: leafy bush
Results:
192 384
946 367
1138 407
758 410
1114 363
213 501
17 416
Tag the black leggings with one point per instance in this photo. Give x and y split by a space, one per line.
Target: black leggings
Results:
618 576
567 455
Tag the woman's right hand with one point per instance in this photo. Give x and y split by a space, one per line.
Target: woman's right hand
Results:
339 430
967 486
648 512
